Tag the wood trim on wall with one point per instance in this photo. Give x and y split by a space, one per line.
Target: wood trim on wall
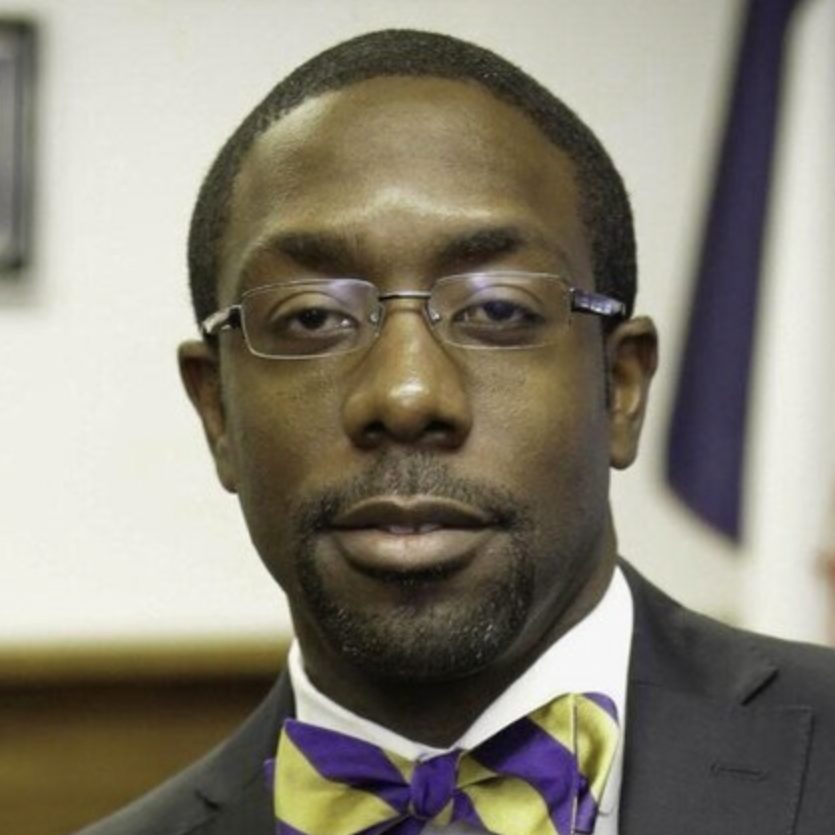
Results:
85 729
42 664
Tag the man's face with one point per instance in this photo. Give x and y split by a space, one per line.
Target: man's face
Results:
429 510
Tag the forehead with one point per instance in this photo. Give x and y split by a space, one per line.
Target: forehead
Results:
396 165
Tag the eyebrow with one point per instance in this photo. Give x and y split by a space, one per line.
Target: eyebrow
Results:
336 253
480 246
317 251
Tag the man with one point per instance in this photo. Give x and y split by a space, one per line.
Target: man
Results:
414 270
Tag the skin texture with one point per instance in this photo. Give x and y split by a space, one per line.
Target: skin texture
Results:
401 181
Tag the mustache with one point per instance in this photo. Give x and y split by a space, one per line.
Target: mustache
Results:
407 475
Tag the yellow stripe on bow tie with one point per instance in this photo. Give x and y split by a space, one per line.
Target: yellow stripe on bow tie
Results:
584 727
518 807
405 766
311 803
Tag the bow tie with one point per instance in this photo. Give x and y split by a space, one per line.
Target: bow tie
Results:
541 775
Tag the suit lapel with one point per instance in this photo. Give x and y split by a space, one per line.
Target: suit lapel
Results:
702 756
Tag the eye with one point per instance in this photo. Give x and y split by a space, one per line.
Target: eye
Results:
315 320
497 312
306 324
307 319
309 315
506 314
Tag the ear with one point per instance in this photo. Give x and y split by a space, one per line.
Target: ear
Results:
200 373
632 357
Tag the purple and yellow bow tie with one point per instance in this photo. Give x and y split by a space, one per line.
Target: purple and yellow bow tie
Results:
542 775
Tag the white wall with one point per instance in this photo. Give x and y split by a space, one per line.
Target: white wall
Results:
111 522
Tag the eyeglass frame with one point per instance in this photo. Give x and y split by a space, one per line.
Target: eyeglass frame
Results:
580 301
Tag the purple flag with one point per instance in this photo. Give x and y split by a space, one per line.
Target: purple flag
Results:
706 444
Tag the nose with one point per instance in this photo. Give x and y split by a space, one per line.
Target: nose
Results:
407 389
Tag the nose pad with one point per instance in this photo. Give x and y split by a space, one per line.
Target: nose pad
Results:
407 388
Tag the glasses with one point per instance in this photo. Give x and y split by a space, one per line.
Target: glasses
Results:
314 318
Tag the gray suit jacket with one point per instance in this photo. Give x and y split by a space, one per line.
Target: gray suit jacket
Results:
727 733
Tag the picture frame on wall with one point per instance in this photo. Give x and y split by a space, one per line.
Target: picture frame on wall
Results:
17 45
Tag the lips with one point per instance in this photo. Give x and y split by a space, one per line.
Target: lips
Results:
412 514
403 536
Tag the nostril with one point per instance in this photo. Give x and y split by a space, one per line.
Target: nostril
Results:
435 431
439 429
372 434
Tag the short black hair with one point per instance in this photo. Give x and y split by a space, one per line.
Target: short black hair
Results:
604 203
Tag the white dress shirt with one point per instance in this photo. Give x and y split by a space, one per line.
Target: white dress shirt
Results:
593 656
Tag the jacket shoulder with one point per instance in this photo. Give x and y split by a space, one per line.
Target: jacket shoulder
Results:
173 808
805 672
714 658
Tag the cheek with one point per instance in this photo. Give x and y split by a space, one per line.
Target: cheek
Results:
546 438
550 420
282 429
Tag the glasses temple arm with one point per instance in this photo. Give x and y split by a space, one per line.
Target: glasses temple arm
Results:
597 304
226 319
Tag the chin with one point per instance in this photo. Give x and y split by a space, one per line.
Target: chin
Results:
421 639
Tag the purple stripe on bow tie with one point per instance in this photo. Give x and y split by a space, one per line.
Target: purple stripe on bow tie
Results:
343 759
433 784
524 750
586 808
282 828
605 702
464 811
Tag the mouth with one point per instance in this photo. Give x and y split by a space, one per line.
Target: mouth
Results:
396 536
